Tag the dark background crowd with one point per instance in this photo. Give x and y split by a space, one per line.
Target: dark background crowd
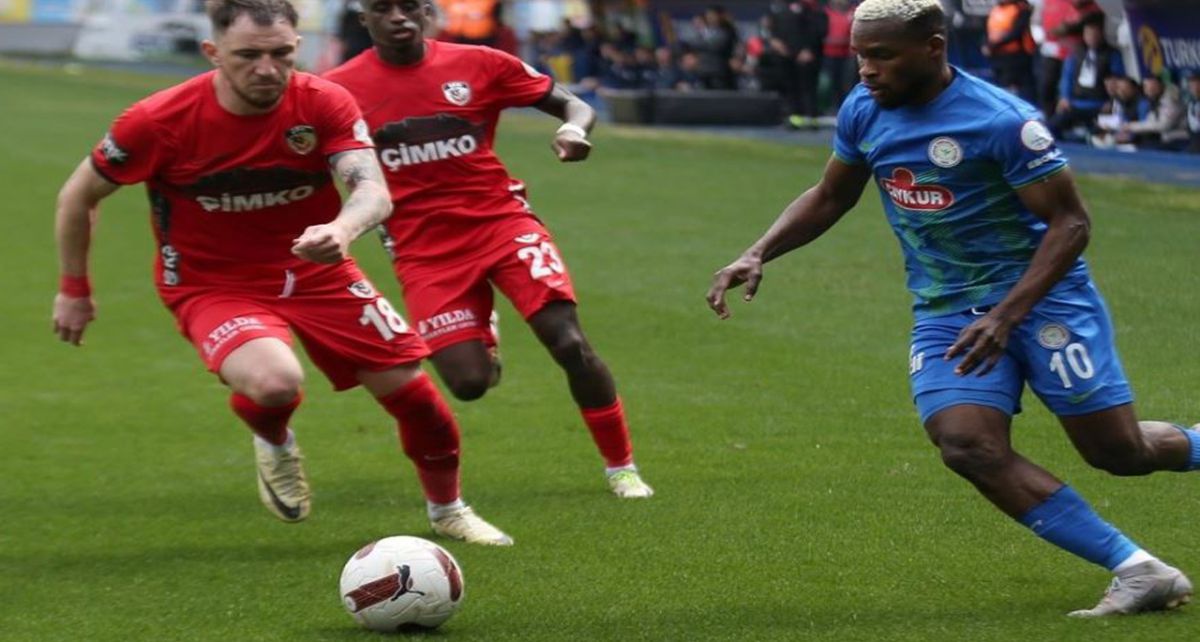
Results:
1057 54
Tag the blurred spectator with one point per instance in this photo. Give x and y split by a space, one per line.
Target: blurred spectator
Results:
475 22
689 78
767 57
715 43
1081 87
802 26
619 68
352 36
1193 111
1062 26
1164 125
647 67
1125 105
667 73
1010 46
840 67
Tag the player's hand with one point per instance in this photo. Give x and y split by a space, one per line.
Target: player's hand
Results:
983 342
747 269
570 147
327 243
71 317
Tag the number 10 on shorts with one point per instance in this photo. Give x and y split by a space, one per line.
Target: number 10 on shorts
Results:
384 317
1076 359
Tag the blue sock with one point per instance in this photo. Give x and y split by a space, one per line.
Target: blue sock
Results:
1067 521
1193 438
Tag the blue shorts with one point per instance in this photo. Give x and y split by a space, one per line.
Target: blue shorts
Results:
1064 350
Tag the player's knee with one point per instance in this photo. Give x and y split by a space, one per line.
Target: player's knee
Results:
972 457
273 387
571 351
468 386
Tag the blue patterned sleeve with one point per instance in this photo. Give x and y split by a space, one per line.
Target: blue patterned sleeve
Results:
1024 148
845 141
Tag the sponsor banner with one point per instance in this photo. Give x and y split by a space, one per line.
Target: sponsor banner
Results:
1166 34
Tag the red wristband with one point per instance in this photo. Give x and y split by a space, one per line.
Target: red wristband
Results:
75 286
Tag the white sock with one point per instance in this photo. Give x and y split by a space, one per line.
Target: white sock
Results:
287 443
1139 556
614 470
438 511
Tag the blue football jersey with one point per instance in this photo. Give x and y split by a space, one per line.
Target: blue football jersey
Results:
948 172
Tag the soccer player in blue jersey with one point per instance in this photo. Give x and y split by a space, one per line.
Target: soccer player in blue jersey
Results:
992 229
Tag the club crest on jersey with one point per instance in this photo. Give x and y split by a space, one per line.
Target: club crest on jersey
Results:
904 191
1053 336
302 139
945 152
457 92
362 290
111 151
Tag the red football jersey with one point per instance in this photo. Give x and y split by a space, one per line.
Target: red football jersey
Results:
229 193
433 124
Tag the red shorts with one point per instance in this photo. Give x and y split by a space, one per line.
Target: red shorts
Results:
343 323
451 299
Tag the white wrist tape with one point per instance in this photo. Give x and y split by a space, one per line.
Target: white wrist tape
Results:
574 129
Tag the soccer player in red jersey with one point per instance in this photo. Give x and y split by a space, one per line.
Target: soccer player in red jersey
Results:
462 224
253 243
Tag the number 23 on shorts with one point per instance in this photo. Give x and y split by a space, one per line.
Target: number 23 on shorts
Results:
543 260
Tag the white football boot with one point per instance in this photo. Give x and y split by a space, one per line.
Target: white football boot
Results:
626 483
1149 586
282 485
464 525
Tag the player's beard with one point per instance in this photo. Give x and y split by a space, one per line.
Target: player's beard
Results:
259 101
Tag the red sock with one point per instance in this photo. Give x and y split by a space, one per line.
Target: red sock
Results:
610 432
429 436
269 423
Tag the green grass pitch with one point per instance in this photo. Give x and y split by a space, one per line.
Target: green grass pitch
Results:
797 496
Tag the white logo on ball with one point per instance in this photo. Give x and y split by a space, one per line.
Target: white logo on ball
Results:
945 152
1035 136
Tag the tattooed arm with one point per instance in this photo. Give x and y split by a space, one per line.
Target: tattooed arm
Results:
367 205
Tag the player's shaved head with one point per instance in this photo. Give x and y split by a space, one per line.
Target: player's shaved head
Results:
264 13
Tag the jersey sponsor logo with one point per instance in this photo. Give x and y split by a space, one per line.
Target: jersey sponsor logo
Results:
1053 336
904 191
945 152
1048 157
228 330
1035 136
111 151
526 239
362 133
302 139
458 92
445 322
249 202
396 157
362 290
246 190
426 139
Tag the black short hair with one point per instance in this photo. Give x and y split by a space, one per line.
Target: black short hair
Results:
264 13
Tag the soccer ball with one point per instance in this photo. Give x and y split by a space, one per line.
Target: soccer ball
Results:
400 583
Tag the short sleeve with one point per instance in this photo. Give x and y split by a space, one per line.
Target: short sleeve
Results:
344 128
845 139
514 83
1025 149
132 150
